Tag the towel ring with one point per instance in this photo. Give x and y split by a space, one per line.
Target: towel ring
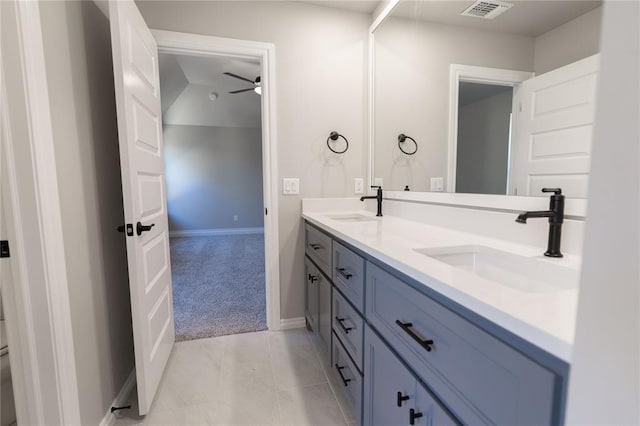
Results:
334 137
401 138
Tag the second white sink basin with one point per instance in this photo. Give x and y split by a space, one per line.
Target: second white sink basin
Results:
517 272
351 217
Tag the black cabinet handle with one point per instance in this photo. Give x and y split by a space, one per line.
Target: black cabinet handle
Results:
344 380
406 326
345 329
342 272
313 278
402 398
413 415
315 246
140 228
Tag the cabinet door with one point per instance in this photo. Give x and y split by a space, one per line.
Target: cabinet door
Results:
311 278
428 412
324 312
389 388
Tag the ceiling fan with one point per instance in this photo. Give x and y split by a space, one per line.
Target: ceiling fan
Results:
256 83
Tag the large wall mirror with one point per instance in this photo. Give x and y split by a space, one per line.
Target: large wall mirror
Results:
484 97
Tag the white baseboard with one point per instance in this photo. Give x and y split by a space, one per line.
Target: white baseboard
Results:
289 323
121 399
212 232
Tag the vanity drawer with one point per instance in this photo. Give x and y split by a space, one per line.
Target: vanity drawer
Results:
348 275
348 379
318 248
349 326
479 378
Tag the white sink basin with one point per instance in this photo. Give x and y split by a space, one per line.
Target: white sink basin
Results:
517 272
351 217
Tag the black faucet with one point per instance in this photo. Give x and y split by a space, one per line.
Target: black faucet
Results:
378 197
556 217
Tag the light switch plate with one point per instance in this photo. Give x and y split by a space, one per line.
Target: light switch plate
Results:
437 184
290 186
358 186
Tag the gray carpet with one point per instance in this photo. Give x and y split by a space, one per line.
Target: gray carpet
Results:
218 285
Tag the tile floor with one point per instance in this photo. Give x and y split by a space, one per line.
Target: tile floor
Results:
262 378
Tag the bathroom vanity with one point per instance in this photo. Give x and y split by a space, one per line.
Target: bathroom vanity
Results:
429 325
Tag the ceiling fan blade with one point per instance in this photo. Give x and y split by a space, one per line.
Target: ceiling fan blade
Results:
242 90
239 77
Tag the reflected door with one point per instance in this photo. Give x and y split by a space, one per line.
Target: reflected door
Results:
553 129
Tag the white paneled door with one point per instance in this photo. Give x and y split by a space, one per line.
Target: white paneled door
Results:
553 127
137 83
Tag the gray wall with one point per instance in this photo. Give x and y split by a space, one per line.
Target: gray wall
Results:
213 173
321 67
412 65
568 43
603 385
483 145
80 78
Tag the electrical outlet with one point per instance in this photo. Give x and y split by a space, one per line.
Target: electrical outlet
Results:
378 182
358 186
290 186
235 217
437 184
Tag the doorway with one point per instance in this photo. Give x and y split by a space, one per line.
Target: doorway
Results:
212 133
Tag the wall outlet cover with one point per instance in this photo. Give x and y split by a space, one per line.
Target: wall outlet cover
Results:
290 186
437 184
358 186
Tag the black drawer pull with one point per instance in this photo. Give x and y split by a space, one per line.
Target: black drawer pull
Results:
313 278
346 275
315 246
402 398
345 329
413 415
345 381
406 326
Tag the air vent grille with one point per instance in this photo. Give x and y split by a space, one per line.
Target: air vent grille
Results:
487 9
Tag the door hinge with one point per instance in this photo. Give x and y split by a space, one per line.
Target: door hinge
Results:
4 249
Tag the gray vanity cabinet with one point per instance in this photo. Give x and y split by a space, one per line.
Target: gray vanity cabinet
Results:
403 357
392 395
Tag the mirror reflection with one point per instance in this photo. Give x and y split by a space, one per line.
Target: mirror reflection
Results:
493 97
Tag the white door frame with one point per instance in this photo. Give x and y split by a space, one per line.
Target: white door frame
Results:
469 73
200 45
38 315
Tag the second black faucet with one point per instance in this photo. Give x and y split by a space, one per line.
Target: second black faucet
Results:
378 197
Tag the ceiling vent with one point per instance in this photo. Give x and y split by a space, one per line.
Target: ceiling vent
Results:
487 9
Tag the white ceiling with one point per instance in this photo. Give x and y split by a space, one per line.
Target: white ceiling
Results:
187 81
527 17
361 6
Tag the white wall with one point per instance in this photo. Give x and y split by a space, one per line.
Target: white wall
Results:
213 173
574 40
412 62
483 145
604 386
77 44
320 69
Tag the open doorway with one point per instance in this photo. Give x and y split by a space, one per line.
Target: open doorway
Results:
212 135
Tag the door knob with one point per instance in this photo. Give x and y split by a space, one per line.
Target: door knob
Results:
140 228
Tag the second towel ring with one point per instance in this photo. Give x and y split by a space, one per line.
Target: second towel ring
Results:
334 137
401 138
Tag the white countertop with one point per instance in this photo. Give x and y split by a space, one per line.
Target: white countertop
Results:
545 319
